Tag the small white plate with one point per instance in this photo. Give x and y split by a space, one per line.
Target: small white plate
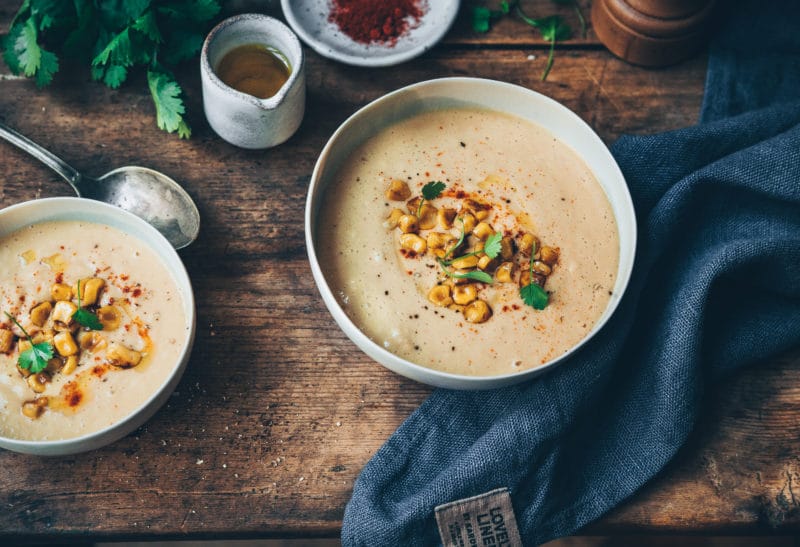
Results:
309 19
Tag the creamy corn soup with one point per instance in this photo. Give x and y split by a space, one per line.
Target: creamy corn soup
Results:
101 363
444 281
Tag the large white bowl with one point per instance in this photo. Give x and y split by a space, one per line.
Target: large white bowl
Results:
488 94
24 214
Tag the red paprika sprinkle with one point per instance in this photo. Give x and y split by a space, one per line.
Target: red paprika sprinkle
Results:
382 21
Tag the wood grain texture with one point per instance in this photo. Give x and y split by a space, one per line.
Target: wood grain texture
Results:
278 411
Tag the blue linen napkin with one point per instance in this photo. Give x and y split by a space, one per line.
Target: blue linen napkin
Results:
716 287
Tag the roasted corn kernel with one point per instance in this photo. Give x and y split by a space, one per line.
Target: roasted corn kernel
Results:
393 219
528 244
464 294
88 290
122 356
541 268
465 262
65 344
413 242
549 255
6 340
41 313
91 340
445 217
38 382
427 216
60 291
469 222
482 230
440 295
398 190
505 272
62 315
110 317
477 312
408 224
506 248
70 364
33 409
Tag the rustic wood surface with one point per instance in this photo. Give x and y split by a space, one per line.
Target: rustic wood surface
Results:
278 411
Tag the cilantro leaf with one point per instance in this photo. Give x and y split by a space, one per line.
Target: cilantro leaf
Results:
114 76
36 357
166 95
147 25
433 189
87 319
481 19
118 51
492 245
535 296
482 16
84 317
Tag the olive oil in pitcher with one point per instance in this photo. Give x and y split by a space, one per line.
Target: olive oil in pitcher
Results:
254 69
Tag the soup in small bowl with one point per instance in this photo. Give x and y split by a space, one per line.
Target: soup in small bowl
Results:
96 325
469 233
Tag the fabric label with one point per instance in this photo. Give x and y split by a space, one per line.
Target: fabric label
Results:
486 519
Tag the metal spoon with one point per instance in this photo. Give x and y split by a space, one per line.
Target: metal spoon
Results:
148 194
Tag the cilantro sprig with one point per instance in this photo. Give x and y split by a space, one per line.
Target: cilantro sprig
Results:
85 317
491 248
431 190
552 29
113 38
532 294
36 357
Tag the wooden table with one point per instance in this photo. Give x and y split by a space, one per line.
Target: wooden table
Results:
278 411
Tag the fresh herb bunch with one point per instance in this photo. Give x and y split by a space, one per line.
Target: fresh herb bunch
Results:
114 37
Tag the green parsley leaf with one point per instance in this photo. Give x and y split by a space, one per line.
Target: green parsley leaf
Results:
481 19
84 317
535 296
166 95
182 45
34 358
492 245
147 25
118 51
114 76
433 189
87 319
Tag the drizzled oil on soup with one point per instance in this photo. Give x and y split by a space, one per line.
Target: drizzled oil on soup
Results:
469 241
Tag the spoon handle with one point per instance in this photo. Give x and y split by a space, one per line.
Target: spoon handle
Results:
45 156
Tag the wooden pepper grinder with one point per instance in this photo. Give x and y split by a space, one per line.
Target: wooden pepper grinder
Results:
652 32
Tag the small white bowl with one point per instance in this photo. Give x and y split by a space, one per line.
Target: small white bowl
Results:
309 19
487 94
18 216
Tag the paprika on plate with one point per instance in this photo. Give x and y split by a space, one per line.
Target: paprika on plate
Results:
376 21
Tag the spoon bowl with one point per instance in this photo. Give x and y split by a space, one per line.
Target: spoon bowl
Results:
152 196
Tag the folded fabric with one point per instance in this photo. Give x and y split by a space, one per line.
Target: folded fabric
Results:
716 287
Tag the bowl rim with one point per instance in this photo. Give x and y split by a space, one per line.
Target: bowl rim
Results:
626 228
68 208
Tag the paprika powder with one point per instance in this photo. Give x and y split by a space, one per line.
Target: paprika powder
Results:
376 21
